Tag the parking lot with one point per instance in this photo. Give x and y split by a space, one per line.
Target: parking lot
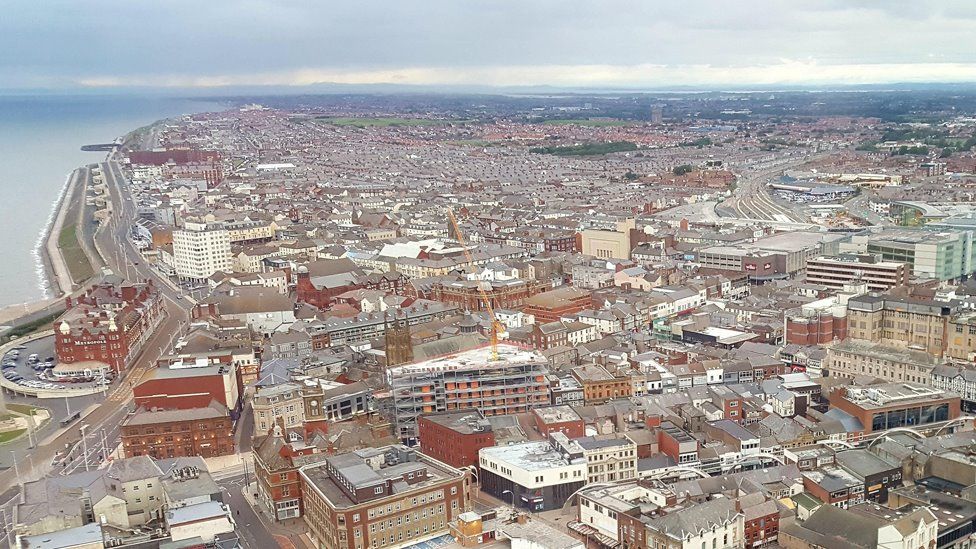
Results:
20 368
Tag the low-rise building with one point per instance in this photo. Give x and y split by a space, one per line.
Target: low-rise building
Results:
280 404
388 497
455 438
599 385
558 419
864 526
609 458
205 432
538 476
714 523
277 458
959 379
837 271
891 405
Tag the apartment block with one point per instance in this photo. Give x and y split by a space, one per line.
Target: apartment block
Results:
471 380
200 250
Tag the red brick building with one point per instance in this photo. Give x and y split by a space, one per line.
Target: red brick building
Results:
454 438
320 282
554 304
183 164
108 323
676 443
382 497
160 434
892 405
558 419
184 386
509 294
761 523
814 328
276 463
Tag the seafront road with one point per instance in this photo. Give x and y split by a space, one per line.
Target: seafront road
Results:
109 414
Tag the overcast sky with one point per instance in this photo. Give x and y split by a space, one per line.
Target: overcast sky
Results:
600 43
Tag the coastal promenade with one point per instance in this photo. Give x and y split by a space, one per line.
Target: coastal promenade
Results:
112 235
61 275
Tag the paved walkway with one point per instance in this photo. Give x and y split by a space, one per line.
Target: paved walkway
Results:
62 277
290 534
14 312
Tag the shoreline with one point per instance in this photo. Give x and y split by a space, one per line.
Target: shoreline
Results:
47 279
43 267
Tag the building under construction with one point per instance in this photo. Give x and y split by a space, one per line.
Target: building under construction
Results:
512 384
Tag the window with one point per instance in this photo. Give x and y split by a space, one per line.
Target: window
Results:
378 490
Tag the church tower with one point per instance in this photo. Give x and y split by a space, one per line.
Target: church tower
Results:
399 349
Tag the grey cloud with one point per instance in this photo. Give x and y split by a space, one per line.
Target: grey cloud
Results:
65 40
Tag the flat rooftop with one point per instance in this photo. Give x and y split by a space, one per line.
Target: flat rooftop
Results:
530 456
464 423
508 355
892 394
557 414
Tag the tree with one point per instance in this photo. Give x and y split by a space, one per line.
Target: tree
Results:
682 169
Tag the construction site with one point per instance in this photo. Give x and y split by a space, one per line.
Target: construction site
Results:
496 380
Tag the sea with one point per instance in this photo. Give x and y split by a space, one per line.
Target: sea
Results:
40 144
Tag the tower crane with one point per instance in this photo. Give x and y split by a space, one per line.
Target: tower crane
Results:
495 325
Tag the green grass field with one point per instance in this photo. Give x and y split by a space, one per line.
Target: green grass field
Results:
384 122
11 435
587 149
74 257
586 122
21 408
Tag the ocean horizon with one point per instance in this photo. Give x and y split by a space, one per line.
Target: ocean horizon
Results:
40 145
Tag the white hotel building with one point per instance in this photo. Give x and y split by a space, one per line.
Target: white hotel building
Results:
200 250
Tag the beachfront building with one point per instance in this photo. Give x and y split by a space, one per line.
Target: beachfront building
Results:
200 250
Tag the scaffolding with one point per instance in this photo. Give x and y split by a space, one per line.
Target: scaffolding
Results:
494 388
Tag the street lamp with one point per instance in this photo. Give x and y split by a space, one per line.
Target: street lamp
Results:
84 446
513 499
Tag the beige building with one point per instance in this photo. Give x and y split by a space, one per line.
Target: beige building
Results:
249 231
961 337
852 358
609 458
899 322
282 402
606 244
374 235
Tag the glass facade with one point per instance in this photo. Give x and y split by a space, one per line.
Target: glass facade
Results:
910 417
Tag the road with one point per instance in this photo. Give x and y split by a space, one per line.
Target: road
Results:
252 528
125 260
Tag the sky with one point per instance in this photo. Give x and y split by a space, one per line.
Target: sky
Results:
97 44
